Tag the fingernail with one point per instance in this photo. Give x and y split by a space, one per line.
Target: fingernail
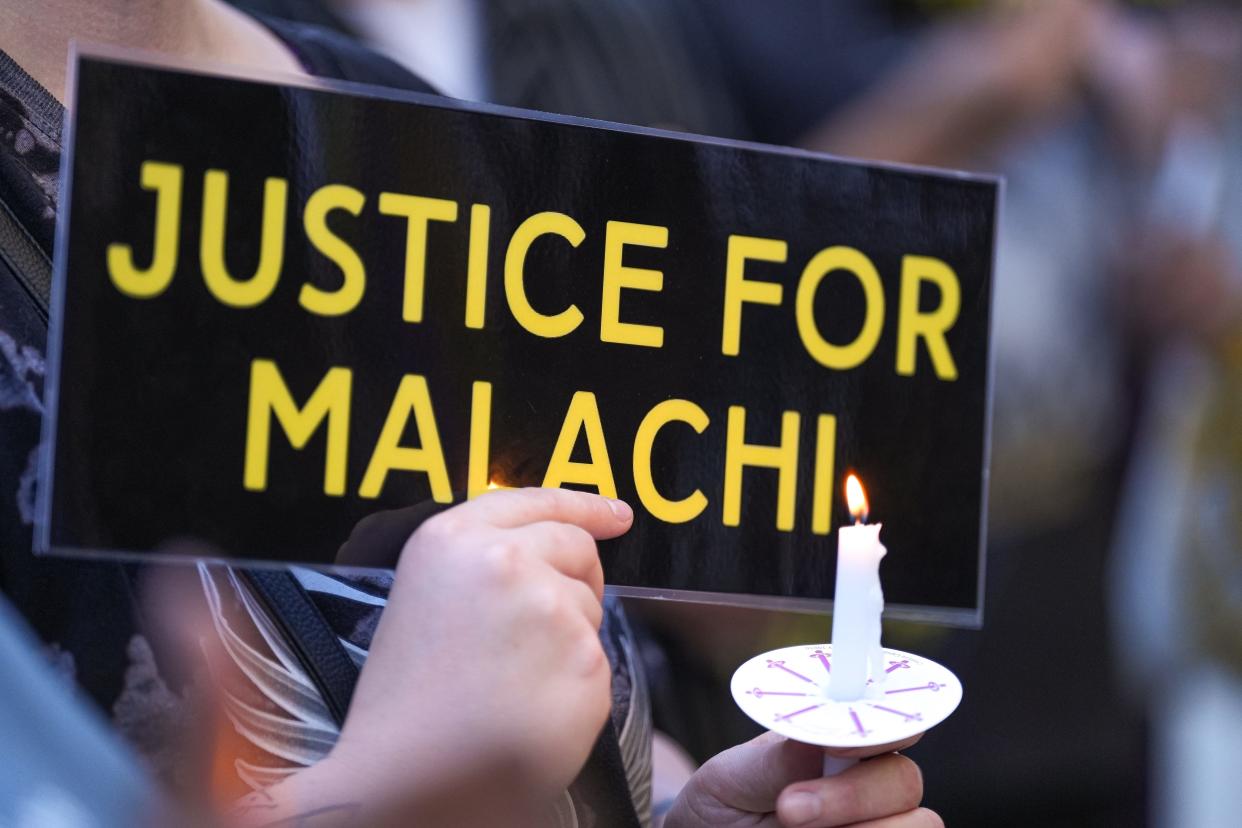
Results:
621 509
802 807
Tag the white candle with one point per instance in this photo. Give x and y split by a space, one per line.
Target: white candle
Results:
858 603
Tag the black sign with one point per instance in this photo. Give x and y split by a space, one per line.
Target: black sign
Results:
284 308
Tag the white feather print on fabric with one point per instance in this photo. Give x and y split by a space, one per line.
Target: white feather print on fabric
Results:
291 691
564 814
287 738
272 636
305 732
356 653
636 737
313 581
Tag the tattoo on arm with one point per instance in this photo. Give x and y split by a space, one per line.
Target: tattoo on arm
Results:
329 816
260 800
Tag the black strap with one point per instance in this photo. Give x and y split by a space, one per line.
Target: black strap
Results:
312 638
27 261
602 785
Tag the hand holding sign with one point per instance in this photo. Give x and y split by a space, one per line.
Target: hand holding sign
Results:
488 653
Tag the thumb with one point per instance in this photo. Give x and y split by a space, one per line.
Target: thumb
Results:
750 776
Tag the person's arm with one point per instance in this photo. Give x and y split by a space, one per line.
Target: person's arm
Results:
970 86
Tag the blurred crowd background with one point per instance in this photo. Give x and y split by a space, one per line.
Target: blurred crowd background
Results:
1106 685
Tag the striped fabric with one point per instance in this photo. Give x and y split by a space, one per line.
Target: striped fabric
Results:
284 723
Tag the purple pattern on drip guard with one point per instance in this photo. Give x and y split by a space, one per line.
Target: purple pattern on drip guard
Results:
909 717
931 685
787 716
780 665
823 659
757 693
858 725
904 664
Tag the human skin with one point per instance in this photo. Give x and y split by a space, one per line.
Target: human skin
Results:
36 34
486 684
772 781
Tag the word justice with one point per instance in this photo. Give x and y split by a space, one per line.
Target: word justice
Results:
914 324
328 407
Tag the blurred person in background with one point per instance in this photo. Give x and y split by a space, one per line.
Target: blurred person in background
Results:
1177 573
1116 128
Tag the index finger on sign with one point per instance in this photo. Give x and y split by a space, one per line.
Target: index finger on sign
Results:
508 508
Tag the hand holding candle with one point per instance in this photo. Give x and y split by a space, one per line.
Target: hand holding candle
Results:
853 693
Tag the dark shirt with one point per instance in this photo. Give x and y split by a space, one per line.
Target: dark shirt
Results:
791 64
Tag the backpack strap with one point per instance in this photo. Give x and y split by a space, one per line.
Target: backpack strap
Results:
310 635
27 261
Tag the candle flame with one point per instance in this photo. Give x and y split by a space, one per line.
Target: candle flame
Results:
856 498
492 485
